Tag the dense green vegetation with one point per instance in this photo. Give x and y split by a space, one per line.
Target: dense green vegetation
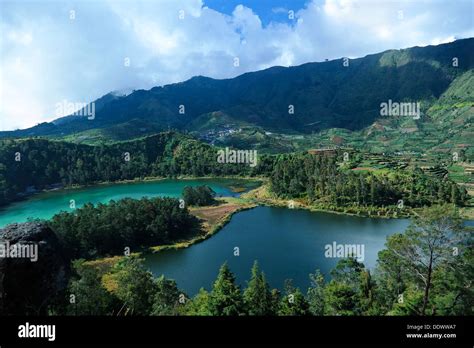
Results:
108 229
39 163
321 180
425 271
36 164
324 95
200 195
335 105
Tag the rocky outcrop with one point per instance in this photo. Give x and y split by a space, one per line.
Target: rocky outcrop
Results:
33 269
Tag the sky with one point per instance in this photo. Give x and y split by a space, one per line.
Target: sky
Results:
57 52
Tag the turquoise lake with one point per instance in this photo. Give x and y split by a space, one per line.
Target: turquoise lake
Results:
288 244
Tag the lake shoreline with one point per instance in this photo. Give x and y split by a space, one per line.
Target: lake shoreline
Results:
210 228
24 196
59 187
283 242
262 196
248 201
267 200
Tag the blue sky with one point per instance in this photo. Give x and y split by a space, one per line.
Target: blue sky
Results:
53 51
267 10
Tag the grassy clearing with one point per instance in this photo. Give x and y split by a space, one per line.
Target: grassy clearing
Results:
105 264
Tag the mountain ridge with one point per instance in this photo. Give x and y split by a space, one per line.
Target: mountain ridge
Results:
324 95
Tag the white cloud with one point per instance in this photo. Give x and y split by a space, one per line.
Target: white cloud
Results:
45 57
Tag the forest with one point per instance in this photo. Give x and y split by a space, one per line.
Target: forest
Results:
321 180
107 229
39 164
416 274
36 164
200 195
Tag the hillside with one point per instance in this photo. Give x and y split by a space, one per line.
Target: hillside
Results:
253 109
31 165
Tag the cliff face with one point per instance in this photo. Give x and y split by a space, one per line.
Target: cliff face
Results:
33 268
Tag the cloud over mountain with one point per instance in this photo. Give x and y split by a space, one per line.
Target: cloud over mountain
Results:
78 51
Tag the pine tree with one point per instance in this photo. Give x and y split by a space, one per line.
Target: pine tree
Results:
257 296
316 298
226 298
390 274
366 295
372 191
167 299
455 197
293 303
428 243
200 304
341 299
135 286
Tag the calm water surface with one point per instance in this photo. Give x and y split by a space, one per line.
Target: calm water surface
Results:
287 244
45 205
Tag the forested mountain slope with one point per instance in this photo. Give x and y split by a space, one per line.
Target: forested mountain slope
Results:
334 94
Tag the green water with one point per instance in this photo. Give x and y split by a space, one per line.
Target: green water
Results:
45 205
287 243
